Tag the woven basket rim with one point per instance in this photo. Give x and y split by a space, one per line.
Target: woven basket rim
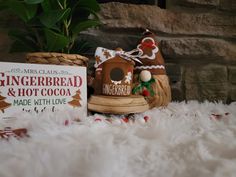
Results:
56 54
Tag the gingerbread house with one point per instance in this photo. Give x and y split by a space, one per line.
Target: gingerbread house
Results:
113 84
114 74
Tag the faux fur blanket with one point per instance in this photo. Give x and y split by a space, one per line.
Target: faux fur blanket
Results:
182 140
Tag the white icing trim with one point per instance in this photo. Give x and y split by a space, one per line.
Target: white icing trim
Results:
150 67
116 82
128 78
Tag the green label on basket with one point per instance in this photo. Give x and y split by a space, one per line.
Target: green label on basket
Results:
35 89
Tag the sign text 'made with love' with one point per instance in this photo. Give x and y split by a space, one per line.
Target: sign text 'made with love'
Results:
38 88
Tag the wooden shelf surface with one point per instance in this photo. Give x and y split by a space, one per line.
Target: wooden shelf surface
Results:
118 105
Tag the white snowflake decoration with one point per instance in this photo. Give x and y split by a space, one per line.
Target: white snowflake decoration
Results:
128 78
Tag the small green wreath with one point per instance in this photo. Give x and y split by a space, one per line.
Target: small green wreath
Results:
143 85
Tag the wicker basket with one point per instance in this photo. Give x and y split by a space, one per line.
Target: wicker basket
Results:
56 59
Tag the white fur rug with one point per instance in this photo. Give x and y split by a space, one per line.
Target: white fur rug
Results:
180 141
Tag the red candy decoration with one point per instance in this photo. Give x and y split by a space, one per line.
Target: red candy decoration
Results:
219 116
66 123
125 119
146 118
98 119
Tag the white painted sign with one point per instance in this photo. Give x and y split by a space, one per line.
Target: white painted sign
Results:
34 88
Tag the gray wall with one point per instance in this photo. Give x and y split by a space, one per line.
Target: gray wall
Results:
198 41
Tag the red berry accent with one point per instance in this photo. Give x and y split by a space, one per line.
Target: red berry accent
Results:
216 116
98 119
146 118
146 93
125 119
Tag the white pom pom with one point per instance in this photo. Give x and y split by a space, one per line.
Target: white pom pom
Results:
145 76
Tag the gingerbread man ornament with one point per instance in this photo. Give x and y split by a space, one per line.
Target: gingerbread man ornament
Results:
151 80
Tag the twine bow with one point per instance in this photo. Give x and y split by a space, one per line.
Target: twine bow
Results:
103 54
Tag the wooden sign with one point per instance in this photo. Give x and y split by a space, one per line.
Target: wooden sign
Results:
37 88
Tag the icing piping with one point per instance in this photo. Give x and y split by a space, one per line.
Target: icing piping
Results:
150 67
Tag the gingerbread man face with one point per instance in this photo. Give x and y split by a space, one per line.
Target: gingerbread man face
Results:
150 55
148 48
